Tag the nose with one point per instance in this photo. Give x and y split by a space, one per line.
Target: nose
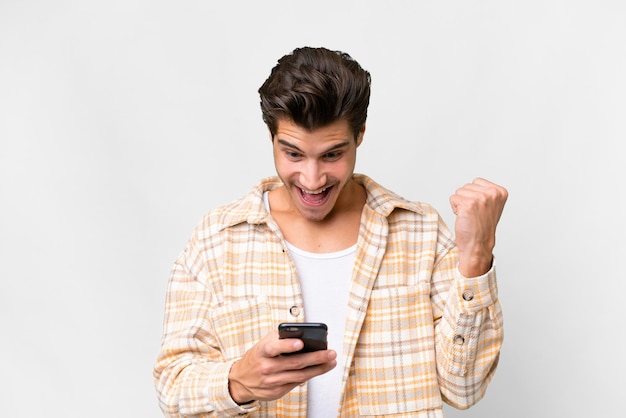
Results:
312 176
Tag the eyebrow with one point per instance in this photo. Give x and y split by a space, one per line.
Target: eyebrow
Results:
333 148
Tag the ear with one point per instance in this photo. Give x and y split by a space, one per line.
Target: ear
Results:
359 137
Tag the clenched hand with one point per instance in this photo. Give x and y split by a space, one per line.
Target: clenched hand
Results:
477 206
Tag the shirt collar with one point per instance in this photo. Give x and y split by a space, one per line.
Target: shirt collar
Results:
383 200
251 208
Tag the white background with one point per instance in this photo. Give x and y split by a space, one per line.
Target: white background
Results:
122 122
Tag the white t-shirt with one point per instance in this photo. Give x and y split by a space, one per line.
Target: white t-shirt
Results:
325 281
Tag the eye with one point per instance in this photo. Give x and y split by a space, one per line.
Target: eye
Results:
293 155
333 155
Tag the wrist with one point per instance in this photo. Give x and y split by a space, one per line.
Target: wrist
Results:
238 391
475 266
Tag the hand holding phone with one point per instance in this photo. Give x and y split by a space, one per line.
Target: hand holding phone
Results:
261 374
313 334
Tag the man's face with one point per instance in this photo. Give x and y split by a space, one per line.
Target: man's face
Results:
316 166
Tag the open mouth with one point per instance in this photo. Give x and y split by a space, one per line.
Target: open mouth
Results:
317 197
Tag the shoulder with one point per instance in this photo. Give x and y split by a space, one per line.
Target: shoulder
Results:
247 209
233 221
402 215
384 201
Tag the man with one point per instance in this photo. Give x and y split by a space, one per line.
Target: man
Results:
413 315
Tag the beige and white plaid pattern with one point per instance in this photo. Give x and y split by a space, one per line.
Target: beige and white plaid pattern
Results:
412 339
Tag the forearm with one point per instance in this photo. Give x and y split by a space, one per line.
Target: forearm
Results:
191 386
469 336
191 372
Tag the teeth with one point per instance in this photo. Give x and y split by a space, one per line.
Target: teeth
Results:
316 192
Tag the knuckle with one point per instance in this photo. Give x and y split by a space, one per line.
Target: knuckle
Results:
266 369
269 383
297 363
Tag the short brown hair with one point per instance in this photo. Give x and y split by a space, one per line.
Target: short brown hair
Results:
314 87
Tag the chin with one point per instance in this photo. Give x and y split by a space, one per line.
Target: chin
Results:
313 217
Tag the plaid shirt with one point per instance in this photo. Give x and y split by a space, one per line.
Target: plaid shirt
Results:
417 333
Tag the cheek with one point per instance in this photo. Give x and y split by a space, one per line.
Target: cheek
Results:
284 168
344 170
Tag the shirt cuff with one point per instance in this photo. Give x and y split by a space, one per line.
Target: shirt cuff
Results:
224 402
477 293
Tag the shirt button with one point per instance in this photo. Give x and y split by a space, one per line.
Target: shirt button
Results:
468 295
459 340
294 310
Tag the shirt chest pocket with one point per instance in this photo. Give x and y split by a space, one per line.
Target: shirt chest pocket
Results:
394 362
241 324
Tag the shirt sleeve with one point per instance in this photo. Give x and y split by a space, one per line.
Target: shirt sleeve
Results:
468 331
191 376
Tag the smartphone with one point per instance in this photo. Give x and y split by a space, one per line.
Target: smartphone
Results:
313 335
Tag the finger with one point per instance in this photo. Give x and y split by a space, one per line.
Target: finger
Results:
275 346
482 182
305 366
301 361
484 190
457 202
461 199
297 377
290 345
488 185
297 369
471 189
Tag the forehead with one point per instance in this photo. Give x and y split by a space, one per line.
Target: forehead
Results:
336 131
